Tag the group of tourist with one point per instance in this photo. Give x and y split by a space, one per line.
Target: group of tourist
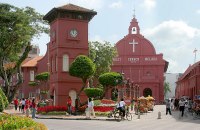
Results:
25 106
184 105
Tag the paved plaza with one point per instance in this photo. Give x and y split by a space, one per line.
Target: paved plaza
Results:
146 121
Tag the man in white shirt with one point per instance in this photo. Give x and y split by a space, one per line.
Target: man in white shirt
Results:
182 106
121 106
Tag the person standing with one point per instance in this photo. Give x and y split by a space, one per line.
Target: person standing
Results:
33 108
20 105
168 107
16 103
76 106
182 106
69 105
91 107
23 105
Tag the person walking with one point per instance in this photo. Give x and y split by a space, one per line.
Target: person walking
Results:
168 107
182 106
91 107
33 108
16 103
69 105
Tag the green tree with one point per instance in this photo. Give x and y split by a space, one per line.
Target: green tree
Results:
166 88
102 55
82 67
109 80
17 28
5 100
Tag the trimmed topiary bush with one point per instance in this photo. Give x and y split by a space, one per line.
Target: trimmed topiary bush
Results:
93 92
5 100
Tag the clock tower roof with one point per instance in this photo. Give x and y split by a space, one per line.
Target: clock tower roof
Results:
70 11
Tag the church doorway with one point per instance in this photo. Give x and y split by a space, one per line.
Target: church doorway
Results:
73 96
147 92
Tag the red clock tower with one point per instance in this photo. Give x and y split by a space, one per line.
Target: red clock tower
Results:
68 39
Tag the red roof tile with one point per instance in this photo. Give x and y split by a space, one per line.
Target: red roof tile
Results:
32 62
72 7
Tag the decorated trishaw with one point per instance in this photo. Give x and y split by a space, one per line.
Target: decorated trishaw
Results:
141 105
150 103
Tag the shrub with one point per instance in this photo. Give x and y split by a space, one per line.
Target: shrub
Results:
103 108
12 122
51 108
5 100
107 101
42 76
102 113
1 104
93 92
54 113
32 83
97 102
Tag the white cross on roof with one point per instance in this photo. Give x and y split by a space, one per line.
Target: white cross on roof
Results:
134 43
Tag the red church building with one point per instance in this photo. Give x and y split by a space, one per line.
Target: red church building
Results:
138 61
137 57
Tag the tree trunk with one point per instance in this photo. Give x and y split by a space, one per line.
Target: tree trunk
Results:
105 89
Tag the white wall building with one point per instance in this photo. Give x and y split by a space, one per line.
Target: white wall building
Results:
171 78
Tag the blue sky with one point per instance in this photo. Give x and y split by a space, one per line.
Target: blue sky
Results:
173 26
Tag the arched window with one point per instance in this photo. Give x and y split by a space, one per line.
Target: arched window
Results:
32 76
65 63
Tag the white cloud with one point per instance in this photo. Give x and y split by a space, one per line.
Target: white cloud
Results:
198 11
118 4
90 4
176 40
149 4
96 38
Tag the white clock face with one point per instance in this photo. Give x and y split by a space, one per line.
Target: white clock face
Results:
73 33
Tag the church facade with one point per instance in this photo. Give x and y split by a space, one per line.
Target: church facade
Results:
137 58
141 66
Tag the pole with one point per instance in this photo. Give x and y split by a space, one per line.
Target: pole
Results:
195 53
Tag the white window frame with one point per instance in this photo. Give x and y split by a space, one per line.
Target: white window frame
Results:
65 66
32 75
